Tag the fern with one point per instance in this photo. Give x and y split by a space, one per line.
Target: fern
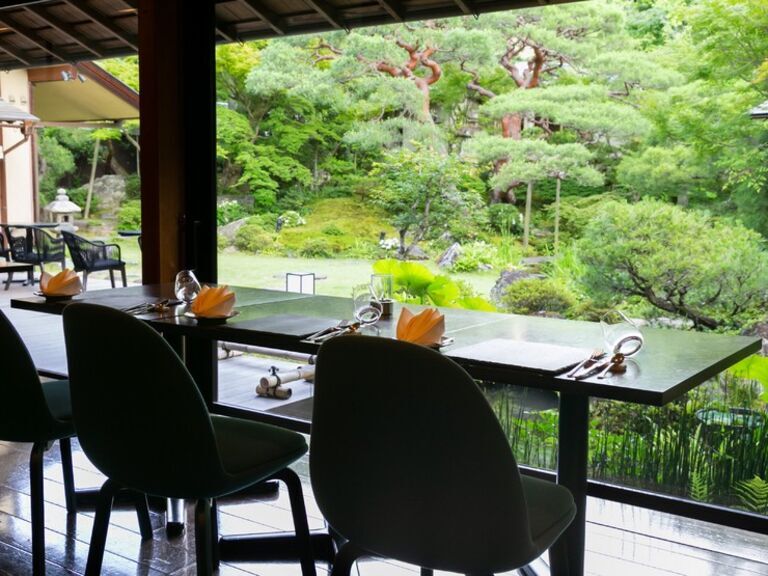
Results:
753 494
699 488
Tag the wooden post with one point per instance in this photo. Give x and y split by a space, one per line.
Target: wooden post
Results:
557 212
178 138
93 178
527 216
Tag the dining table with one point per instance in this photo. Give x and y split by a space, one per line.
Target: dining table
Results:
490 346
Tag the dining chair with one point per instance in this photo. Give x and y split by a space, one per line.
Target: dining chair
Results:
34 245
40 413
93 256
148 429
408 461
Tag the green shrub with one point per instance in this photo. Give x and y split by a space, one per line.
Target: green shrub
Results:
292 219
229 211
505 218
129 216
133 186
475 256
316 248
535 296
333 230
80 196
253 238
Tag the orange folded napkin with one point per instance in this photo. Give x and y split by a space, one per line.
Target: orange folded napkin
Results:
65 283
426 328
214 302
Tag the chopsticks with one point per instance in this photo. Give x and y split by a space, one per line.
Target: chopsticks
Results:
146 307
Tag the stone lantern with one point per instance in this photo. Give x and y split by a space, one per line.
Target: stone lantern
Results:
62 210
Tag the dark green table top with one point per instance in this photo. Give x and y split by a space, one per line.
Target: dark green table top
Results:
671 362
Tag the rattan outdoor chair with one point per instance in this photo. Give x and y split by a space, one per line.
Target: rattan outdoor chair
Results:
92 256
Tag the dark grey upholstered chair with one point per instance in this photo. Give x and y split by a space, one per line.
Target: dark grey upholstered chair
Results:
89 256
148 429
36 413
408 461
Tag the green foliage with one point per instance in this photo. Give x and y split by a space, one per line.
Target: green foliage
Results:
125 69
475 256
577 212
700 489
332 230
416 284
534 296
229 211
753 368
753 494
129 216
505 218
292 219
132 187
423 191
251 237
712 272
317 248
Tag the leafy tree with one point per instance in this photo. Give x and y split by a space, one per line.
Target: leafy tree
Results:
686 263
423 191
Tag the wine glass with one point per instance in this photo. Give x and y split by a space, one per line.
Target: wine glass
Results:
365 306
381 288
186 286
620 334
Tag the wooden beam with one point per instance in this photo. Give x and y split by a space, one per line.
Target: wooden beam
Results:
466 6
63 27
226 32
270 18
16 53
106 23
33 37
328 12
394 9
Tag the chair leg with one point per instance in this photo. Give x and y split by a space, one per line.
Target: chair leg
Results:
85 280
558 558
122 275
215 558
203 537
299 512
345 558
8 280
112 277
142 512
38 507
65 447
100 526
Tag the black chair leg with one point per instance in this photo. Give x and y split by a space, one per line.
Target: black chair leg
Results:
100 526
38 507
345 558
112 277
299 512
65 447
558 558
215 558
142 512
85 280
122 275
8 280
203 537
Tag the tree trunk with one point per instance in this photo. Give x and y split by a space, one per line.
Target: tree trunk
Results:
527 217
93 178
557 213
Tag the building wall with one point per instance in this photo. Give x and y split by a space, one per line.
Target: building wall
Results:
19 184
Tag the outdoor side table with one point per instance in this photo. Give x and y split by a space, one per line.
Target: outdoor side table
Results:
10 267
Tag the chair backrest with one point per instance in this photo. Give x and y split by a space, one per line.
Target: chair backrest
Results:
49 247
139 415
24 413
80 257
21 243
408 460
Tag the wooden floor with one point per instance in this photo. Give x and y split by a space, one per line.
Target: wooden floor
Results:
621 540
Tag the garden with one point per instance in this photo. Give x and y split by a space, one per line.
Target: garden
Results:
563 161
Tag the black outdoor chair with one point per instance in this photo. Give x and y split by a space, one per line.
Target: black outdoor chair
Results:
35 246
408 461
5 250
89 256
148 429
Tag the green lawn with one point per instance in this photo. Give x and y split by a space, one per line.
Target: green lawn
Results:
243 269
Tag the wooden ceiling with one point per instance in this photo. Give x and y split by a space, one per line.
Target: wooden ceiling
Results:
50 32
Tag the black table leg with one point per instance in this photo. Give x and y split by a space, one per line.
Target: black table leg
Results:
573 452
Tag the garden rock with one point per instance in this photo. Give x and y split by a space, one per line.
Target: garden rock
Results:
507 278
110 192
416 253
449 257
229 231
